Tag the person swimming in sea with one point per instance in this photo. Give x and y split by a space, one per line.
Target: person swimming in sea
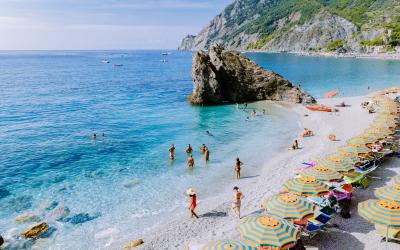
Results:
172 152
247 119
94 136
209 133
254 113
238 167
189 149
245 106
207 154
263 111
190 161
103 134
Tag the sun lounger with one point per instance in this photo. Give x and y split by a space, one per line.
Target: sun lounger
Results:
392 234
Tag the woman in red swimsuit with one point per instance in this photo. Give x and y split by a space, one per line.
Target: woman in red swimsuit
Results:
192 202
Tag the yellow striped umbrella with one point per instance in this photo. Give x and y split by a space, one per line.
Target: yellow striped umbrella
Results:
361 141
289 207
396 179
382 212
306 187
227 245
269 231
337 164
348 155
321 173
388 193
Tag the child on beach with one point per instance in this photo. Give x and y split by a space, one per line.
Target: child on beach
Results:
190 161
238 168
192 202
237 201
172 152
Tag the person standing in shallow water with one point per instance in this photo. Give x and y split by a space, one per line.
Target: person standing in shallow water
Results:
192 202
238 168
237 201
172 152
190 161
94 136
207 154
189 149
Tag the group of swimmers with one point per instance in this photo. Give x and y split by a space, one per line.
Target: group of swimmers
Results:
94 136
189 150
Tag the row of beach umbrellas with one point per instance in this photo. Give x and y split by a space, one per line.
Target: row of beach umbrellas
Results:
275 230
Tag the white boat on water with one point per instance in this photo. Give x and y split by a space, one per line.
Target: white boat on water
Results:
105 61
118 65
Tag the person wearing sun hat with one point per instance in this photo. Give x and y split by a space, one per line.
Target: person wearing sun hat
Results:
192 202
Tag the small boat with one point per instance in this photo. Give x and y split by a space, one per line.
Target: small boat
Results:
322 108
165 53
118 65
105 61
164 61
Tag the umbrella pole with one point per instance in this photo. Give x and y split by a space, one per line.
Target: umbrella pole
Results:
387 237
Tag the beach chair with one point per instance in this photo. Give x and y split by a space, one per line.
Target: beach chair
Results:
392 234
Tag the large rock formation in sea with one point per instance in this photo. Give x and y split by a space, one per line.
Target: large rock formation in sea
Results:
226 76
301 26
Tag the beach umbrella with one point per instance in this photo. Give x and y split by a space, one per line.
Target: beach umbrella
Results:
322 174
354 149
269 231
396 179
227 245
348 155
381 212
331 94
337 164
389 193
361 141
306 187
289 206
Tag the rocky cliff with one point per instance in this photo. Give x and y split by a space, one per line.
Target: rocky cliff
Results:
225 76
300 25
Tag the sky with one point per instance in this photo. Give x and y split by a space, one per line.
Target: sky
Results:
102 24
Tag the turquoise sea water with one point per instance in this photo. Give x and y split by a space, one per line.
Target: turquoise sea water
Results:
52 102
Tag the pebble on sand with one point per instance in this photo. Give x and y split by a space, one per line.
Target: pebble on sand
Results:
28 217
134 243
36 230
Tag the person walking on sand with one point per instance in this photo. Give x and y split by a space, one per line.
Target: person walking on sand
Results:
207 154
237 201
238 168
172 152
190 161
192 202
189 149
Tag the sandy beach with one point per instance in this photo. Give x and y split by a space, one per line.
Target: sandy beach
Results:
217 221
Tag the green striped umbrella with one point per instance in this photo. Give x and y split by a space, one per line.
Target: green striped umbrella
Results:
306 187
382 212
354 148
388 193
227 245
396 179
348 155
337 164
322 174
361 141
269 231
289 206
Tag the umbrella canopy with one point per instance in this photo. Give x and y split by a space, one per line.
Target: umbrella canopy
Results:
289 206
361 141
396 179
382 212
227 245
348 155
337 164
331 94
389 193
322 174
306 187
269 231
